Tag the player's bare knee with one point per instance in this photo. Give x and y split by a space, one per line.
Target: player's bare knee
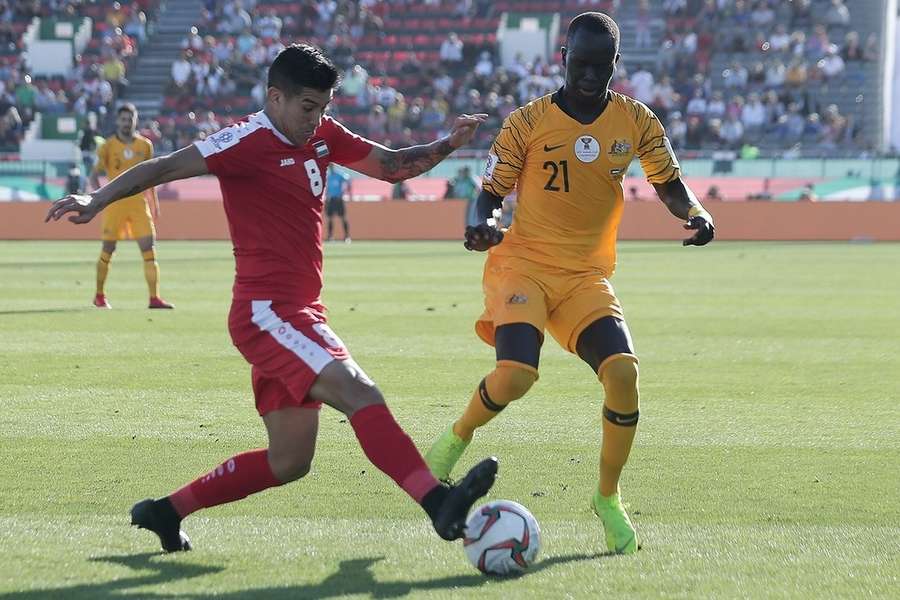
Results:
505 384
343 385
289 467
620 380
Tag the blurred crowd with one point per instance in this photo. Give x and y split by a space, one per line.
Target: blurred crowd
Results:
99 76
787 59
737 74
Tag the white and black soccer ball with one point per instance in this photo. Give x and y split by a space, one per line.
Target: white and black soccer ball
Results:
502 538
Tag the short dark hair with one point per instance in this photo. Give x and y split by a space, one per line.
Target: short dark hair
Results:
595 22
301 66
127 107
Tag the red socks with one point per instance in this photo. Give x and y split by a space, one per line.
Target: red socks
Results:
386 445
236 478
389 448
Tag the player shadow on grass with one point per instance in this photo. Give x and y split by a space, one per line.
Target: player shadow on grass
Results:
162 572
40 311
352 577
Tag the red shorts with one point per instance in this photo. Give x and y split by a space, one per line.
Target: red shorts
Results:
287 345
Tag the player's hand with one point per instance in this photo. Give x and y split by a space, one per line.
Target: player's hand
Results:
482 236
705 231
464 129
85 206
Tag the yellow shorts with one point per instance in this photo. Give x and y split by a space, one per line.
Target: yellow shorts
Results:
129 218
564 302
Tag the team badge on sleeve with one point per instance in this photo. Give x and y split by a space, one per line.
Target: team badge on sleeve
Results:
321 148
489 166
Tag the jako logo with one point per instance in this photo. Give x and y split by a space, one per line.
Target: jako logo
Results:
286 162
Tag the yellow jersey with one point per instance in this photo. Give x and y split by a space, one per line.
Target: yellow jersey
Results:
115 156
569 176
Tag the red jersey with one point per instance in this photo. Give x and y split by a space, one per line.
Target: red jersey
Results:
273 195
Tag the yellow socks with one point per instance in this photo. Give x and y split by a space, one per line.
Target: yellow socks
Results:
501 386
151 272
620 418
102 270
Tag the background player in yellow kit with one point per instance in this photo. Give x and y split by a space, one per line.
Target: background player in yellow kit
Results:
129 217
567 154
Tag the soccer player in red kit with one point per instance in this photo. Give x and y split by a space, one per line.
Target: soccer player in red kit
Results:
271 170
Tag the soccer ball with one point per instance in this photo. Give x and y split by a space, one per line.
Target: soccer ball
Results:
502 538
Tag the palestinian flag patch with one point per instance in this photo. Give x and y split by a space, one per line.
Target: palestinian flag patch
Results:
321 148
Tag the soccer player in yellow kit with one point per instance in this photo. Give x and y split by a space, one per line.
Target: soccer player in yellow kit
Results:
129 217
567 153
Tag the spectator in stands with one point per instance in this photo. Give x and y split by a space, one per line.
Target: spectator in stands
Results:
182 69
697 105
258 94
753 115
236 18
377 122
664 97
837 15
832 65
136 26
245 42
776 74
762 16
812 130
852 50
116 15
817 44
485 66
451 52
779 41
209 124
443 83
872 50
642 84
355 83
26 98
735 76
113 71
193 41
716 107
269 26
675 8
396 112
796 74
642 25
731 133
677 130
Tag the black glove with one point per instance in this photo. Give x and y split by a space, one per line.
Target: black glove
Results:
481 237
705 231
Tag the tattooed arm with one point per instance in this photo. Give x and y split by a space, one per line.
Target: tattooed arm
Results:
405 163
185 163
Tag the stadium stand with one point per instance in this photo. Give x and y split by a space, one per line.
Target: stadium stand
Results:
759 77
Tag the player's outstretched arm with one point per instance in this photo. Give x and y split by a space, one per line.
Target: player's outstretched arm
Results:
183 164
405 163
487 233
682 203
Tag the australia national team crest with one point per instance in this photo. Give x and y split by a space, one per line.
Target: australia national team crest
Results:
587 149
620 148
128 153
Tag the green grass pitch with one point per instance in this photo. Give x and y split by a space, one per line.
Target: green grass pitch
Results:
766 463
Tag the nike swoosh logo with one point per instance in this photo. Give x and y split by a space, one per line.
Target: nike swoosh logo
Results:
552 148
